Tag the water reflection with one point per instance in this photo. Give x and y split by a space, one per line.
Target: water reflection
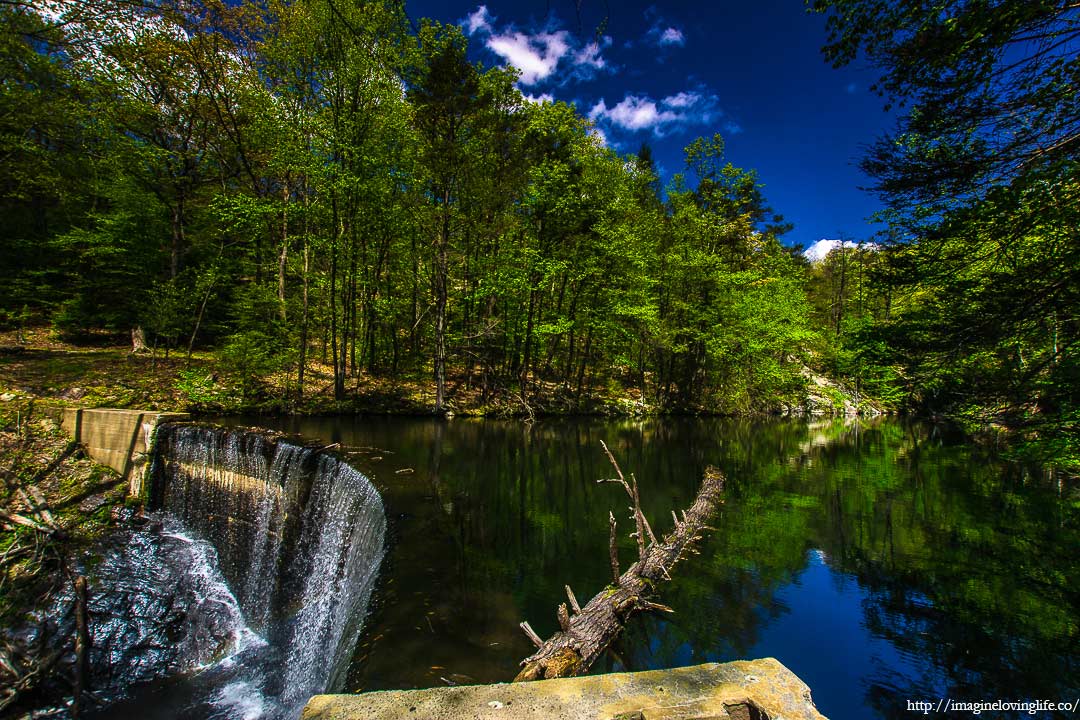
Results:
881 562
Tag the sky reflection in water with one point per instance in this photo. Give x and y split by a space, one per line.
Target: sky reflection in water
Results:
880 561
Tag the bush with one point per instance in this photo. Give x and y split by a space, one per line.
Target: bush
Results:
248 357
198 390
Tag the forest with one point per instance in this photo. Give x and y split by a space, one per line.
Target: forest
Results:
320 191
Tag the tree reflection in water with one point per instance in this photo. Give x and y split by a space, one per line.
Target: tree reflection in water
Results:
881 561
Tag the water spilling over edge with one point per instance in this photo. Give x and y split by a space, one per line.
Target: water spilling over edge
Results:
298 537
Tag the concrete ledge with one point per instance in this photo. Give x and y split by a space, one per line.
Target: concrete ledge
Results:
744 690
118 438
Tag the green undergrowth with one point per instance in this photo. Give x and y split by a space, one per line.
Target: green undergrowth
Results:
36 457
56 373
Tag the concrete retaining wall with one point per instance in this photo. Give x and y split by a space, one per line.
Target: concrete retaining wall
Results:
120 439
745 690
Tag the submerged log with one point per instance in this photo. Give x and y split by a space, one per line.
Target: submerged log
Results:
587 633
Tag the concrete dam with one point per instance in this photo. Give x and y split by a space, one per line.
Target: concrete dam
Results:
252 582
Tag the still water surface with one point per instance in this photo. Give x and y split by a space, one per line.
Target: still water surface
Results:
882 562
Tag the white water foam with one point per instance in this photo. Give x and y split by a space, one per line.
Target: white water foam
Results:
242 701
299 536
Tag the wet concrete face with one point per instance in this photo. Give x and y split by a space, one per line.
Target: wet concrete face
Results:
745 690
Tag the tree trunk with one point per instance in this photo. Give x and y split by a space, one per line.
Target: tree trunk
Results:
302 362
588 632
283 258
176 249
82 646
440 304
339 363
199 318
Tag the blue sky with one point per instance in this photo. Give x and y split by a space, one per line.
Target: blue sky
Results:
666 73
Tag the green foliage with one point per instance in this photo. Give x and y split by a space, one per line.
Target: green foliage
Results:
982 183
248 357
979 113
259 180
111 259
733 315
164 313
198 390
307 182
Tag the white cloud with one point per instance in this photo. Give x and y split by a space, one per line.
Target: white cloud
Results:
590 55
682 100
478 20
634 113
640 112
820 250
600 136
536 56
672 36
538 99
661 34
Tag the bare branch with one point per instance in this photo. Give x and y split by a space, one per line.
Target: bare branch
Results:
613 548
564 617
573 600
637 510
531 634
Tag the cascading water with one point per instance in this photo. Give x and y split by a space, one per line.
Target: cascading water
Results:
298 537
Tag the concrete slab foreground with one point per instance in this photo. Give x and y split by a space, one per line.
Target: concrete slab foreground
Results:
744 690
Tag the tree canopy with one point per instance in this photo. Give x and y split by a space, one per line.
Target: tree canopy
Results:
981 180
323 192
314 181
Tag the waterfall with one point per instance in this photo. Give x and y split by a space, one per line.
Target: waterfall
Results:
298 536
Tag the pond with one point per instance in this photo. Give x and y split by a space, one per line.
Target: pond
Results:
883 562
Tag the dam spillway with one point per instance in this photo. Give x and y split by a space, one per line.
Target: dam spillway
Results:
299 538
242 591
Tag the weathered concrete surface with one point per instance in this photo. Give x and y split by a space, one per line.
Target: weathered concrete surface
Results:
118 438
745 690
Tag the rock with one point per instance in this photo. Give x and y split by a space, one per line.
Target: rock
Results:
121 514
157 607
93 504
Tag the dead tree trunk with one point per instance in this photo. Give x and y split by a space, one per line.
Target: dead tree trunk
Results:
588 632
82 646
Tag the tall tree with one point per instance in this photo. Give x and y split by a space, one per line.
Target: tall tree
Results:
445 93
981 178
988 87
722 272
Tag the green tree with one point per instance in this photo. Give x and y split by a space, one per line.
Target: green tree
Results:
981 179
723 280
445 93
989 88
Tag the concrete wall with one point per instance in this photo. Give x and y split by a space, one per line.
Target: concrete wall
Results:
118 438
745 690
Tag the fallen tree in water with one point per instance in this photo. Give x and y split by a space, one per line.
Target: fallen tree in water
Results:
587 632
